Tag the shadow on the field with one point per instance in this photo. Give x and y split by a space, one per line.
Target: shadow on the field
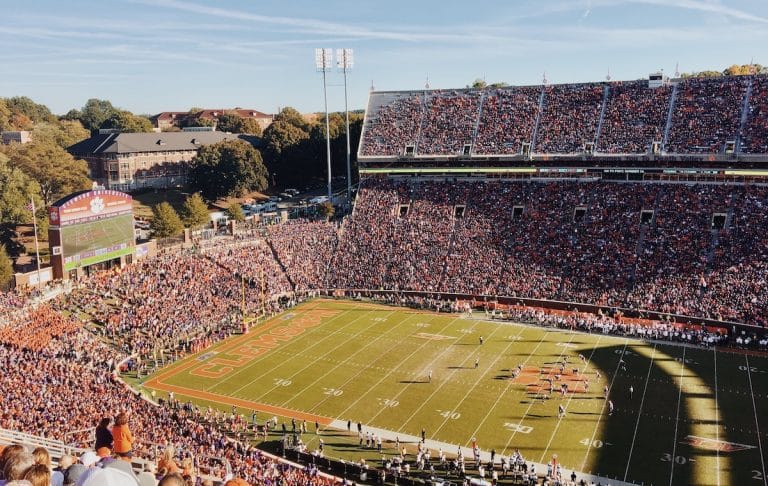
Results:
459 367
412 382
650 438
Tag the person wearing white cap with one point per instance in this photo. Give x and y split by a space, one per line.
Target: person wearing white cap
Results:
89 459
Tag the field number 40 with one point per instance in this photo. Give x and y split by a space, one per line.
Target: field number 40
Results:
449 414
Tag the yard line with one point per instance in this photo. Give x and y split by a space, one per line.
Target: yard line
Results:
477 382
717 421
498 399
393 329
605 402
445 350
560 419
677 418
264 356
440 386
639 413
387 375
310 364
533 401
757 423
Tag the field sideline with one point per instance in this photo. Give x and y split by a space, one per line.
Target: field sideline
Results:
694 416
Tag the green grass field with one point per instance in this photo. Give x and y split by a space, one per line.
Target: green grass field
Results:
694 416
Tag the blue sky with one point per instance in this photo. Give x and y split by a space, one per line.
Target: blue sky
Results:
158 55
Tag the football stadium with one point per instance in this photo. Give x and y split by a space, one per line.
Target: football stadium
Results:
535 283
562 284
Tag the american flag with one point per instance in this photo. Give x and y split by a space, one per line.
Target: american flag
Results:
30 206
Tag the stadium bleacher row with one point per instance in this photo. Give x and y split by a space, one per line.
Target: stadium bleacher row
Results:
684 249
689 116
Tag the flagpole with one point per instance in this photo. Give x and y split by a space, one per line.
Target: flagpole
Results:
37 245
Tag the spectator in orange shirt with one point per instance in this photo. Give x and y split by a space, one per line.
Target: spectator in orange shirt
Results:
122 437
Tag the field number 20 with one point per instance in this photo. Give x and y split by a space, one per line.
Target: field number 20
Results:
333 392
449 414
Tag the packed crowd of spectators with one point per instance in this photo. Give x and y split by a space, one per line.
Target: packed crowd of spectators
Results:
507 120
755 139
167 303
305 249
646 246
450 122
67 386
253 260
706 114
635 117
570 117
394 125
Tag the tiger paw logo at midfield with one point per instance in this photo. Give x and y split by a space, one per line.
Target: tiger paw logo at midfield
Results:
97 205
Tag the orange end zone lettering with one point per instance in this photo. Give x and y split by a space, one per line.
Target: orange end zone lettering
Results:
206 371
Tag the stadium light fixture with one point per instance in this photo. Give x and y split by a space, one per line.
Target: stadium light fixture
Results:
344 61
324 62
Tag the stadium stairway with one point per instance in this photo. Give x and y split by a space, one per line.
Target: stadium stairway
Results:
279 262
538 120
670 112
606 95
744 115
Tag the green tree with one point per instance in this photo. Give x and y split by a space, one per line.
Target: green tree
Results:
228 168
292 116
5 116
230 122
195 212
6 268
165 221
72 115
35 112
64 133
326 209
250 127
18 190
478 83
235 212
95 113
127 122
52 167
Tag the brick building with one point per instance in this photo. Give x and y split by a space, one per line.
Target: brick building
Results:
179 119
130 161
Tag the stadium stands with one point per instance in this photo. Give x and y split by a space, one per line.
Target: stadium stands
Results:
706 114
756 129
570 118
693 250
507 120
572 241
635 117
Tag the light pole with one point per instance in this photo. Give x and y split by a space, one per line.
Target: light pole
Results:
344 61
323 62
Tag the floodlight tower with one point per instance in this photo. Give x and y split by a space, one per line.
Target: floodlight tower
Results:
344 61
324 62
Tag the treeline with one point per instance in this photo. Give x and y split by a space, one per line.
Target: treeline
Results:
294 148
733 70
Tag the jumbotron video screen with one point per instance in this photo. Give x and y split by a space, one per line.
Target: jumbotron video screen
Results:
95 226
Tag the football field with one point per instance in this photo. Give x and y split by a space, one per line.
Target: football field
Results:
694 416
